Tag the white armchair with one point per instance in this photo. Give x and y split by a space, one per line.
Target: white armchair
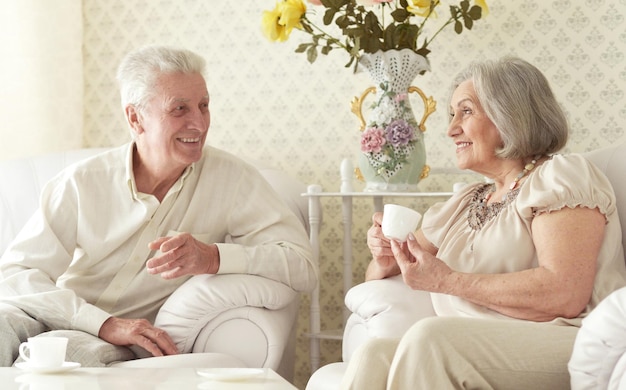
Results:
599 357
380 308
387 308
250 323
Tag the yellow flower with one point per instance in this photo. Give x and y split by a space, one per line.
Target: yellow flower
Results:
483 4
272 29
355 18
422 7
291 14
278 23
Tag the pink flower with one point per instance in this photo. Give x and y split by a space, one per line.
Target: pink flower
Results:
372 140
315 2
401 97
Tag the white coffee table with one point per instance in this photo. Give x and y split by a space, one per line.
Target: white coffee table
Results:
140 379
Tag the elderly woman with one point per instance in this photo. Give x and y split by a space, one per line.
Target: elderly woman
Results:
514 265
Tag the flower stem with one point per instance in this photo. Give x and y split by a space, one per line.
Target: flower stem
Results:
326 36
428 41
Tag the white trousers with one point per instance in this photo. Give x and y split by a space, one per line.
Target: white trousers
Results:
465 353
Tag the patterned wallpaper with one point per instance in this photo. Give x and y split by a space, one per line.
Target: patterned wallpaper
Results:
269 103
41 98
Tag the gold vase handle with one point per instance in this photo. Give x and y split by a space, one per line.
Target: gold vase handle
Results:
356 106
430 106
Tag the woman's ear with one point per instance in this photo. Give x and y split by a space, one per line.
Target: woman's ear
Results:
133 117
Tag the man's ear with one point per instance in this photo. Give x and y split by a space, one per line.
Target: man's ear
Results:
133 117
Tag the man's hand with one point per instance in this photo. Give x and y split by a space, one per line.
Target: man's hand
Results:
127 332
183 255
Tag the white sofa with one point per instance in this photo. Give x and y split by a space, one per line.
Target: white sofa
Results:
247 323
387 308
599 357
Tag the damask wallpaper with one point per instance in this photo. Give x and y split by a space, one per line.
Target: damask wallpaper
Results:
269 103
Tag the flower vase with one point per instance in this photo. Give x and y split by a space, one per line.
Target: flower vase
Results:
393 154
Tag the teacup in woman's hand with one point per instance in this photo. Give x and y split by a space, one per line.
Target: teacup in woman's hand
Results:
399 221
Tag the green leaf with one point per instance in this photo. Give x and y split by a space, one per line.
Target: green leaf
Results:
388 37
406 36
342 21
311 54
334 4
475 12
302 47
350 63
370 24
400 15
469 23
329 15
465 5
458 27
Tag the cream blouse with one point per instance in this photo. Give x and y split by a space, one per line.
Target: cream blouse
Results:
503 241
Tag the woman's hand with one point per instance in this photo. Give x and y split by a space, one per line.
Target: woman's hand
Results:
567 243
383 263
421 270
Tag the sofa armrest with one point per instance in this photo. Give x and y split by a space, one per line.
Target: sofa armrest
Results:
600 345
382 309
257 336
204 297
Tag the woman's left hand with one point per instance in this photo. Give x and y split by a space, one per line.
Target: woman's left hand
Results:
420 269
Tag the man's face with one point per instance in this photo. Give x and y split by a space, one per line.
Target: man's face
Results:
172 128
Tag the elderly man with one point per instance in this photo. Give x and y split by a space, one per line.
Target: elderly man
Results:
115 235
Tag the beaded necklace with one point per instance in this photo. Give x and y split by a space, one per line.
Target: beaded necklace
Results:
527 168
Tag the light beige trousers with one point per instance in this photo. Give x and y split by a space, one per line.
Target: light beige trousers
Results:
16 326
465 353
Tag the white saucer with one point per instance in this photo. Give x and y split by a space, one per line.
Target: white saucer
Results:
67 366
231 374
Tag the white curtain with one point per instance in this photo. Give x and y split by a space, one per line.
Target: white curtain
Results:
41 76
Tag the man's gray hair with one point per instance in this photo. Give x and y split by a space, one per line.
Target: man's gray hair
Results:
139 69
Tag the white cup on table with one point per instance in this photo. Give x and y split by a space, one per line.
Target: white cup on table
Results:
44 351
399 221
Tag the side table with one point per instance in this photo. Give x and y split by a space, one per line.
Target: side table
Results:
314 195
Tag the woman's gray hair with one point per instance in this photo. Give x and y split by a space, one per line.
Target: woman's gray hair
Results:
139 70
518 99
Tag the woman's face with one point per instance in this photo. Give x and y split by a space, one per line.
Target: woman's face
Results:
474 134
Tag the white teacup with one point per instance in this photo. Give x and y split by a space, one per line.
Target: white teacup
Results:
399 221
44 351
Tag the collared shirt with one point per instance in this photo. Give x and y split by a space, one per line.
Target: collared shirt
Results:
81 258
